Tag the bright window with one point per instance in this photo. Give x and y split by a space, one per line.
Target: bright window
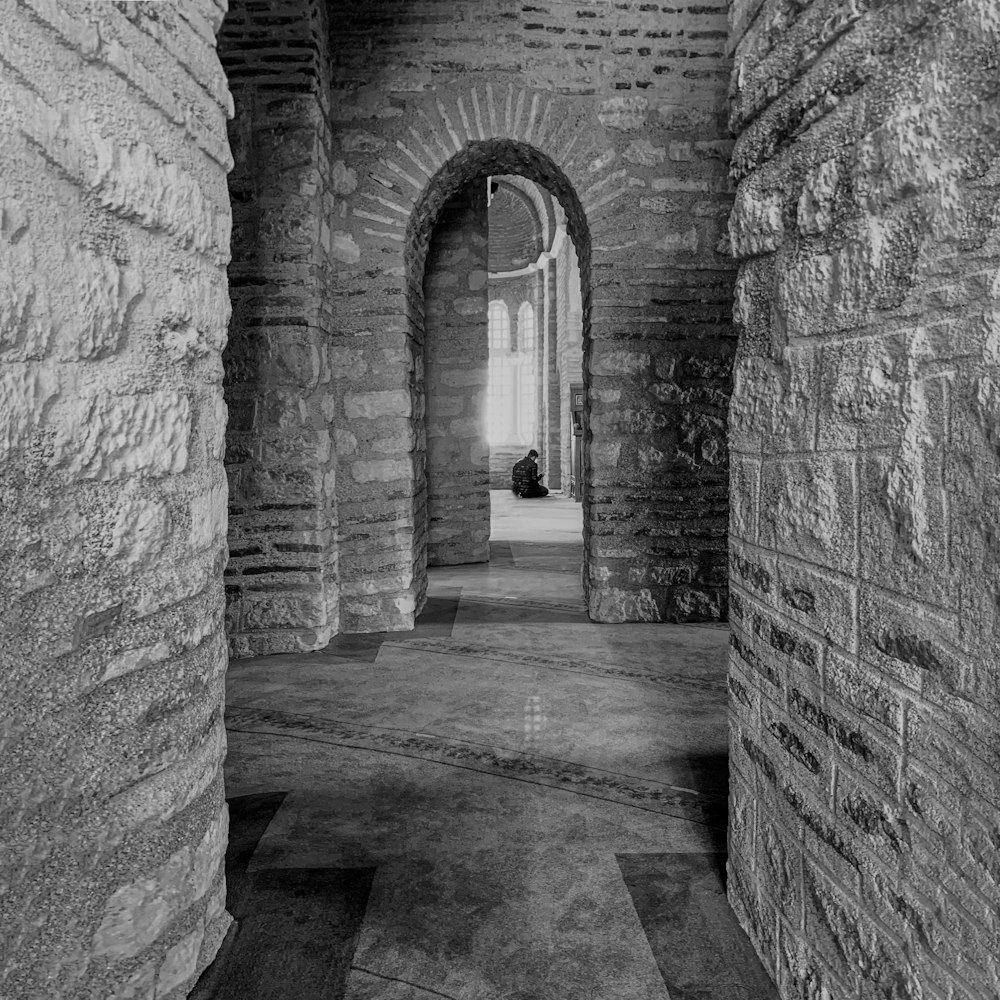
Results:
499 321
501 393
511 392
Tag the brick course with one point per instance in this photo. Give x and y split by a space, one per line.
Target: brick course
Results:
282 579
456 356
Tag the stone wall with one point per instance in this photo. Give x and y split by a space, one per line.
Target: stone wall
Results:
114 237
282 577
502 459
569 354
456 356
549 429
619 111
865 426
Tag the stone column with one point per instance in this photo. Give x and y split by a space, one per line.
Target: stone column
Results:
865 486
456 359
541 312
282 575
114 239
550 377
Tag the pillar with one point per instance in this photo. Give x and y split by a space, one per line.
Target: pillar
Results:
456 367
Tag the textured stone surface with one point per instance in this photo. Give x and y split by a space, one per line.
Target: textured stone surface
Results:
114 235
282 579
456 352
864 551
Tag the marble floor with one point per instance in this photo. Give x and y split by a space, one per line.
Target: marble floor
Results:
508 803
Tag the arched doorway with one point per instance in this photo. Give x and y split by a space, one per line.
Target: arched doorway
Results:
328 513
451 457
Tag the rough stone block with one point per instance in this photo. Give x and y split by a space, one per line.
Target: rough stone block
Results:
119 436
807 510
816 203
625 114
756 224
381 403
179 963
821 601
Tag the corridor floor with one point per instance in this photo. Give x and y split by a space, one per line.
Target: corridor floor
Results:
508 803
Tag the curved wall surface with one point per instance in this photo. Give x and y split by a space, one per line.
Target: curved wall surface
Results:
516 238
114 238
865 421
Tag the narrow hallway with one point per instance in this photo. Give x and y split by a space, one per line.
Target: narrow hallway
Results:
508 802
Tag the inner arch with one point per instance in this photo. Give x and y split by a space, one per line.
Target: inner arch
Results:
451 191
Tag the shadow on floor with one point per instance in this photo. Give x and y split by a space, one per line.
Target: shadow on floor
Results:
436 621
711 779
296 929
700 949
482 611
501 555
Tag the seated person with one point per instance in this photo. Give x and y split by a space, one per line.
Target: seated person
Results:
525 478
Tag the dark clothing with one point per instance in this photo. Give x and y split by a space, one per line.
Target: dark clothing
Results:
524 479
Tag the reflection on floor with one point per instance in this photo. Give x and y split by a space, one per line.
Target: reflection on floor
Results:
508 802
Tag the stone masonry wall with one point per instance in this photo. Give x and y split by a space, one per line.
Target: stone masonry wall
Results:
502 459
282 577
618 109
456 358
569 353
865 423
549 417
114 238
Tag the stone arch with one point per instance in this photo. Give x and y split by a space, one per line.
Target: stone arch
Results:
394 169
476 161
481 158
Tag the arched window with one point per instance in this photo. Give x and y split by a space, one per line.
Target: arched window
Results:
512 397
526 328
499 322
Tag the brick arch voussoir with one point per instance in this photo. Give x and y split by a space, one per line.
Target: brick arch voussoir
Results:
555 138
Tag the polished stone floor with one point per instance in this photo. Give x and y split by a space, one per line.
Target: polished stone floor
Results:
508 803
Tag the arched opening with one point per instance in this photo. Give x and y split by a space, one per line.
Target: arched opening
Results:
499 351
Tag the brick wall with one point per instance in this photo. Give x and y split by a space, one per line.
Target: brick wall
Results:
865 423
114 236
282 577
456 356
619 110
